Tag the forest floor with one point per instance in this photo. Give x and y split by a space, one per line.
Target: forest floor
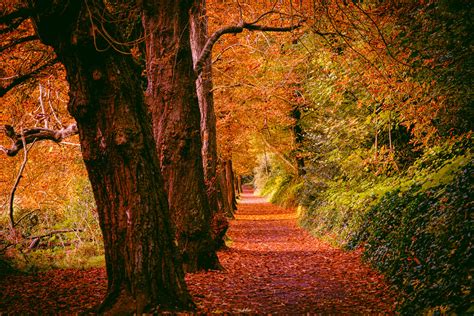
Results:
271 266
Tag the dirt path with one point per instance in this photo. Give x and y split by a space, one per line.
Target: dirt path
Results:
272 266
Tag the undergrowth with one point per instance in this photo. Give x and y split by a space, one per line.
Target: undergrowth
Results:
67 236
422 239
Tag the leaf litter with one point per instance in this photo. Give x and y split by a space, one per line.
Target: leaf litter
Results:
271 266
274 266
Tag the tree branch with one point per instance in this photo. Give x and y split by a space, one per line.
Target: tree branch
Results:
25 216
17 181
235 29
35 134
263 28
20 13
55 232
382 37
36 239
18 41
27 76
14 19
279 154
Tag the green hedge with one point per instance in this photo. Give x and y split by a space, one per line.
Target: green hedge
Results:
415 226
423 241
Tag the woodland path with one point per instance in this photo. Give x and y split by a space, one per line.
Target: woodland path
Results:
271 266
274 266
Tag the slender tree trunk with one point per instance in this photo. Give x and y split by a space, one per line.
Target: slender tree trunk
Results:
390 145
298 137
173 103
219 223
236 186
229 175
106 99
223 199
239 184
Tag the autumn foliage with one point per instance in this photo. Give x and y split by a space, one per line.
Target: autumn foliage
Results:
357 113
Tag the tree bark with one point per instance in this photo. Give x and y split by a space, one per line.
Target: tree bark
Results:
143 268
229 175
299 138
219 223
172 100
236 186
222 198
239 184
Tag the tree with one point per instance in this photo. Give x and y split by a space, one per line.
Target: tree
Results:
115 134
173 103
204 85
248 83
144 271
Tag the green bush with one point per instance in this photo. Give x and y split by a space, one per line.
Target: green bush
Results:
423 241
277 183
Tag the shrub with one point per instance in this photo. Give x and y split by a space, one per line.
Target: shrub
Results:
423 241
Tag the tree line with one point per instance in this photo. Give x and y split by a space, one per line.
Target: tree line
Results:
162 195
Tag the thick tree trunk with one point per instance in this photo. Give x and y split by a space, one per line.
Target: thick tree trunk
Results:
143 269
219 223
173 103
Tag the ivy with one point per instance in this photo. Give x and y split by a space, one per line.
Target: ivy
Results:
423 241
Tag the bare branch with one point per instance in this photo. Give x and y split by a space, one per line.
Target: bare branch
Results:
235 29
279 13
25 216
23 13
339 33
43 111
382 37
17 181
14 19
36 239
27 76
280 155
60 231
263 28
35 134
325 34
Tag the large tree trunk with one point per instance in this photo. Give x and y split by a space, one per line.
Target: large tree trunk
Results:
219 223
118 148
172 100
